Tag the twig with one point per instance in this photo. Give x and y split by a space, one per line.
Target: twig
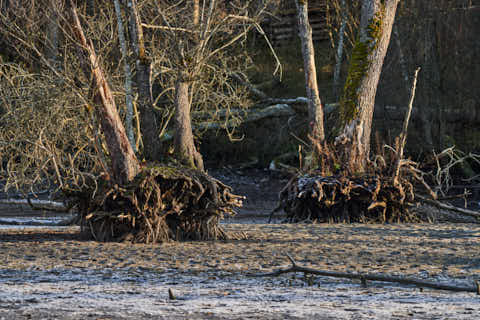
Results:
368 276
150 26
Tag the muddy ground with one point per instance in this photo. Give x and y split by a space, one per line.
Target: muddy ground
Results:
56 274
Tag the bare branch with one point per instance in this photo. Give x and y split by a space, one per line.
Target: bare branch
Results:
369 276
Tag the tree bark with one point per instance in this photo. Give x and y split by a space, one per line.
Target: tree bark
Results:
148 118
315 110
128 76
196 12
339 53
430 111
124 164
357 103
184 144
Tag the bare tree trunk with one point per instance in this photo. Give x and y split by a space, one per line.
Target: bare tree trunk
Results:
196 12
401 57
184 144
128 77
124 164
339 53
315 109
430 111
357 103
148 119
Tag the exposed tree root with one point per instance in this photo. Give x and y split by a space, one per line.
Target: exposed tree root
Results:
161 204
363 277
317 198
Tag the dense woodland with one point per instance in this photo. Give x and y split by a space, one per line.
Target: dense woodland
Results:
122 105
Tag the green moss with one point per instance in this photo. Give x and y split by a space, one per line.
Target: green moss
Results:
359 64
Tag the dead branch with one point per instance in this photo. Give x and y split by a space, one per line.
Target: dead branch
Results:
372 277
446 206
36 204
403 134
253 89
70 221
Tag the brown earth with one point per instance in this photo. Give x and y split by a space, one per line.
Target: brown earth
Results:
412 249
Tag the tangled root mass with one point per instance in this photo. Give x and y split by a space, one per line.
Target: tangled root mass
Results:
161 204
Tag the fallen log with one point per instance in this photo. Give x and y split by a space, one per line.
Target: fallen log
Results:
37 204
363 277
277 110
71 221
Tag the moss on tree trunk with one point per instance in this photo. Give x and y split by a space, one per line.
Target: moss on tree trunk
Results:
357 102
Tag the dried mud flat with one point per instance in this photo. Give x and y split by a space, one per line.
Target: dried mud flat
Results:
55 274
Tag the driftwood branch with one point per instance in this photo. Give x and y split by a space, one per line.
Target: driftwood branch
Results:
372 277
35 204
70 221
446 206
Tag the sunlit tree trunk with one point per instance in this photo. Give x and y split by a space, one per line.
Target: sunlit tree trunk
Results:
357 103
184 143
315 110
124 164
196 12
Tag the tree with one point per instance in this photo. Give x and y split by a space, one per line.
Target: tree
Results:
315 110
128 76
116 196
357 102
149 127
124 163
339 51
201 45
